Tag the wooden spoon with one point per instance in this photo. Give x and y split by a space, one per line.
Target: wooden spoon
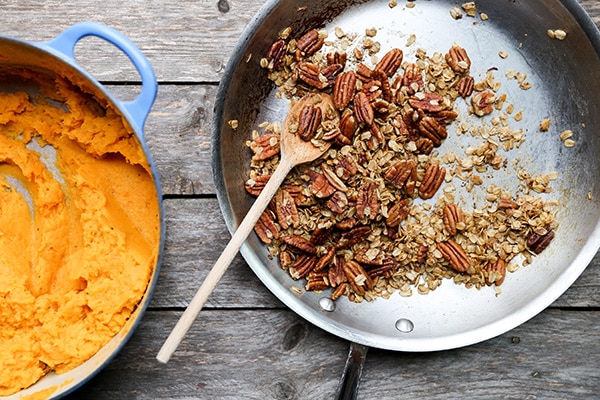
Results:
294 151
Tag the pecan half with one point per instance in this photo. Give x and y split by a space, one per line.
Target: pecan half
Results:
363 72
275 54
453 218
424 145
370 256
286 259
483 102
428 102
413 79
455 255
376 137
354 236
358 279
496 272
388 266
309 44
465 86
432 180
397 213
265 227
256 185
300 195
390 232
411 184
336 273
299 243
346 224
390 62
400 126
346 167
338 202
458 59
265 146
311 75
343 89
336 58
348 127
332 177
432 130
381 107
309 122
537 243
319 184
285 209
398 173
339 291
507 204
422 254
386 89
316 282
444 116
325 259
372 90
367 201
331 72
331 135
363 109
320 235
304 264
410 119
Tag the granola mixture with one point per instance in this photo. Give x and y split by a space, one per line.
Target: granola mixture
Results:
378 213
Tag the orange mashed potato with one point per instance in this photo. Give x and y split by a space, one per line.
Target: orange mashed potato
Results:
79 231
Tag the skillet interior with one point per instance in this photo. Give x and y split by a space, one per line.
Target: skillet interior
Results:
565 87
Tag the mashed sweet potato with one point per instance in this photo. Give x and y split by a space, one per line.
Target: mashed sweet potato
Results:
79 231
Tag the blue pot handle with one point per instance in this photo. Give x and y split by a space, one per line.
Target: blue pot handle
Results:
139 108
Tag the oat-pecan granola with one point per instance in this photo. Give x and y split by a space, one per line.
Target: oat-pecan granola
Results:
376 214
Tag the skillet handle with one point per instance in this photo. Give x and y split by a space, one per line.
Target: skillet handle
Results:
348 387
139 108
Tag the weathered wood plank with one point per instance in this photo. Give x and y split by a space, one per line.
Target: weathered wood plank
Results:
501 368
237 354
178 131
196 235
246 344
241 354
185 41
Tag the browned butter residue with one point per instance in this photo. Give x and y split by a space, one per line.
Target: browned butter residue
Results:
79 240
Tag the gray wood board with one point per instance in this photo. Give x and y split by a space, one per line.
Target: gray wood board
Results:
272 354
246 344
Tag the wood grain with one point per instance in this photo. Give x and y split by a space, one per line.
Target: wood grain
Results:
273 354
185 41
247 344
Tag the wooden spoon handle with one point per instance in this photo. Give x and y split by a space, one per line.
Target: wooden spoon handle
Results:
217 271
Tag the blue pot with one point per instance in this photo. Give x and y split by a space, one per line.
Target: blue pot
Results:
57 57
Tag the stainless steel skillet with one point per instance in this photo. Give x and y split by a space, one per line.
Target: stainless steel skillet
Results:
565 86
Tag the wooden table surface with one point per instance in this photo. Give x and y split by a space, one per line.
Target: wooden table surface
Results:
246 344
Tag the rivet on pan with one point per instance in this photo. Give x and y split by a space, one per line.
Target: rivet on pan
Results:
327 304
405 325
